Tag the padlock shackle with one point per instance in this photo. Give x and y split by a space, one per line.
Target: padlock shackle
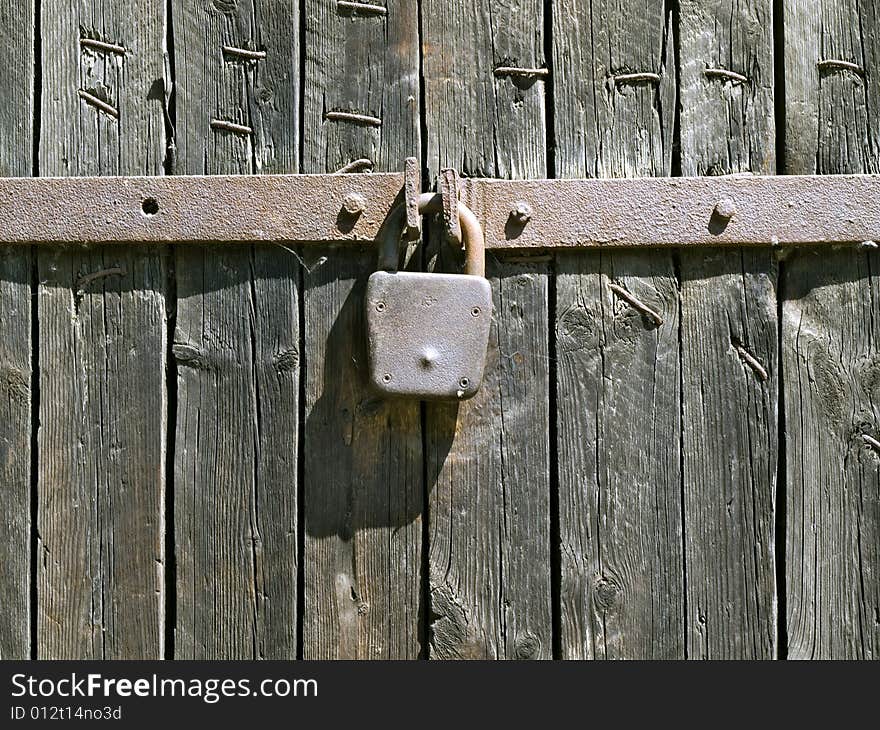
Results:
472 237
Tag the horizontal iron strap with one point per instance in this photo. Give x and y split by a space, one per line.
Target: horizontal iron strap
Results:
640 212
203 209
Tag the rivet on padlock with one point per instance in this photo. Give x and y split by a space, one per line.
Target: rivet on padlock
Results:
427 334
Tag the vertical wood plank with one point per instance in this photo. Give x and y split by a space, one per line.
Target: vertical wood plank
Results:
236 343
102 320
728 315
485 122
830 337
363 475
16 159
489 458
617 329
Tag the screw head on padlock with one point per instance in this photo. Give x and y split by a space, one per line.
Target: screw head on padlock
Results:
427 334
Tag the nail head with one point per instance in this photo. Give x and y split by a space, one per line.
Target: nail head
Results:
725 208
522 212
354 204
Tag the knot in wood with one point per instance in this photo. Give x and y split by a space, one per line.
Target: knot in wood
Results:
16 384
527 646
286 361
606 592
188 355
577 330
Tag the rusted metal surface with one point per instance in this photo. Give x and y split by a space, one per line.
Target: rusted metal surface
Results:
720 211
427 334
656 212
448 183
411 188
428 204
182 209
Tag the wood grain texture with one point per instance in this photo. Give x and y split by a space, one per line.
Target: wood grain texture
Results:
483 124
489 482
367 64
488 459
363 469
730 377
619 467
727 124
618 369
608 122
102 323
17 113
363 481
830 354
236 345
728 314
16 153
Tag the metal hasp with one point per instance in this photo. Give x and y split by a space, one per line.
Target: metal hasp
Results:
427 334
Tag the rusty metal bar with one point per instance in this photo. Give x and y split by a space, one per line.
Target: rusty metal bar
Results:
658 212
649 212
178 209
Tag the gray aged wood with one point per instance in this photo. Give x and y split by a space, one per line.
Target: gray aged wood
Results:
615 87
16 153
482 121
730 379
618 369
726 87
619 471
15 454
363 474
101 440
488 460
236 344
667 368
729 343
830 359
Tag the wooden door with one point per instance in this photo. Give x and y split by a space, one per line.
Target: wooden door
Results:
675 454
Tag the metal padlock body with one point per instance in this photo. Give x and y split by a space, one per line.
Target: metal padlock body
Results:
427 334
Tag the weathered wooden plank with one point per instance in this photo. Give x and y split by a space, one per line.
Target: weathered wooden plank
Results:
15 449
614 73
619 471
485 110
618 369
489 482
16 114
236 344
729 343
730 379
363 475
830 354
488 460
16 159
363 479
101 442
727 78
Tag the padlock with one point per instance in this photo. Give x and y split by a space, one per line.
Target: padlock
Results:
427 334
